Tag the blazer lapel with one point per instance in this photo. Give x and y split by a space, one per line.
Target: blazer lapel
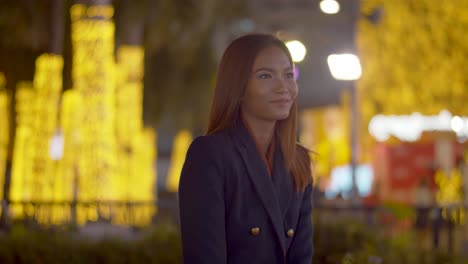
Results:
261 180
283 182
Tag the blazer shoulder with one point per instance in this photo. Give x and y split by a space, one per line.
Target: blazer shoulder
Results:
204 165
217 141
207 143
210 148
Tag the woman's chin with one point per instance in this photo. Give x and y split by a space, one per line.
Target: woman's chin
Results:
281 116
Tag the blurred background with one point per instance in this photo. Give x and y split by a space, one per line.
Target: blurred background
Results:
100 99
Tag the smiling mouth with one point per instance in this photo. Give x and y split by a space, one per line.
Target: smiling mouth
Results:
281 101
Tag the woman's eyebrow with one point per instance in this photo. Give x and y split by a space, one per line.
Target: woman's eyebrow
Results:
289 68
264 69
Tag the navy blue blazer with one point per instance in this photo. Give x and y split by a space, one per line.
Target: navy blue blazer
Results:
233 211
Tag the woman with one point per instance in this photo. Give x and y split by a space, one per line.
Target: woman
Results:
245 188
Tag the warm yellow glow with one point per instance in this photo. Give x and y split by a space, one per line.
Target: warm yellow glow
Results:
48 87
181 143
104 11
129 93
70 125
428 73
344 66
297 50
450 187
4 132
455 214
450 193
325 132
329 6
136 146
21 177
77 11
107 153
93 78
141 188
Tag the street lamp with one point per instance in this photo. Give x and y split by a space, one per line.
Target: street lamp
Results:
297 50
329 6
346 67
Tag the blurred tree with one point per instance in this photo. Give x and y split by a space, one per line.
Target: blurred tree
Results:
177 36
179 53
179 56
30 28
414 57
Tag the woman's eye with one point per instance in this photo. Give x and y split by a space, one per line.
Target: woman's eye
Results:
264 76
290 75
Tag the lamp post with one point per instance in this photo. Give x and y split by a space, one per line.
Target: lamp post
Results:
346 67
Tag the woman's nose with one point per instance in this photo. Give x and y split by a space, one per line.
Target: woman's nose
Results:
281 86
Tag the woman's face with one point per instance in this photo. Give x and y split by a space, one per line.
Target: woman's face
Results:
271 88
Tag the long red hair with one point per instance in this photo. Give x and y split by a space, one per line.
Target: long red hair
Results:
231 80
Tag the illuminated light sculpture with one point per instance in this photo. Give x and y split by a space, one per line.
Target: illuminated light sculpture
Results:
135 177
129 92
93 77
129 104
71 119
181 144
4 132
21 177
86 169
142 182
123 141
141 188
48 88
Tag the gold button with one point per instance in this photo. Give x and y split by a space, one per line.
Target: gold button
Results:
255 231
290 233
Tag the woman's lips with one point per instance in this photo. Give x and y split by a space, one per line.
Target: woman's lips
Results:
280 101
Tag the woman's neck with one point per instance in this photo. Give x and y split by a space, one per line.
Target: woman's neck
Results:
262 131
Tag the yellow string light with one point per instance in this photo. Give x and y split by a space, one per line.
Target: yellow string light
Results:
21 177
143 188
129 106
48 87
67 171
4 132
99 122
181 143
325 131
425 73
93 72
70 124
135 145
449 194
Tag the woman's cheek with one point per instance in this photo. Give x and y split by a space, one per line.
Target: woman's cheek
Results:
294 91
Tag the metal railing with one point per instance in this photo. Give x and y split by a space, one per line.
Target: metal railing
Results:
70 212
446 227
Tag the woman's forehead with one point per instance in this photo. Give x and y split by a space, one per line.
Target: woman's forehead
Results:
272 57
